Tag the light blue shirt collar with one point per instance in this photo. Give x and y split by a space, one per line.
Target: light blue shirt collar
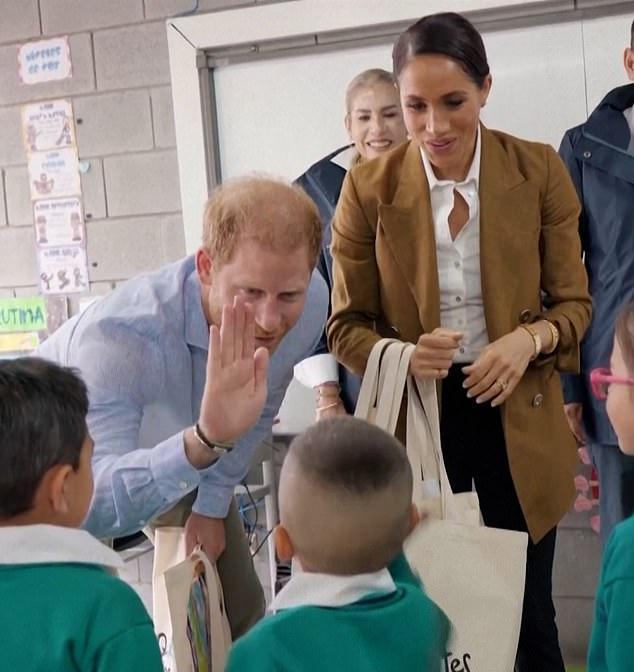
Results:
196 327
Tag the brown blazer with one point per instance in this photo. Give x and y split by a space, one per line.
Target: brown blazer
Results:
386 284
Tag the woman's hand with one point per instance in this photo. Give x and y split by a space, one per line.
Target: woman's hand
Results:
434 353
499 368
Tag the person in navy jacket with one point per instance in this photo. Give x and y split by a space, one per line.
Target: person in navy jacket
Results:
600 157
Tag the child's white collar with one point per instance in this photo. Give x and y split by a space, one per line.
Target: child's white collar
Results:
330 590
40 544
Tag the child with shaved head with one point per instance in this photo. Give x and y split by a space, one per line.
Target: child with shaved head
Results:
346 509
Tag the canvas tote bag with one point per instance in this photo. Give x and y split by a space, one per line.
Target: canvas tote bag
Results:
189 613
380 401
474 573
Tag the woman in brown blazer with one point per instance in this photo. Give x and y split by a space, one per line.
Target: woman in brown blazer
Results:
464 241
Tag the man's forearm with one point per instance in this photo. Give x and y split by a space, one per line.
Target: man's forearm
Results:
133 488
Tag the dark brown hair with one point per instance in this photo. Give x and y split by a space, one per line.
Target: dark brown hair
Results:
352 460
624 332
43 410
447 34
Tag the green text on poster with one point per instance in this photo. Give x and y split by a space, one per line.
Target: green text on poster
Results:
24 314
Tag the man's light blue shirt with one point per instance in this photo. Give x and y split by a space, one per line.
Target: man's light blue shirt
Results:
142 352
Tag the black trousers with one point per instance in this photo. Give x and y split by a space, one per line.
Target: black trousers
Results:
474 451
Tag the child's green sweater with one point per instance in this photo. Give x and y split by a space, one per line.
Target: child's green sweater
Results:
401 631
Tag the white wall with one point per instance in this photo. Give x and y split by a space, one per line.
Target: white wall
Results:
282 114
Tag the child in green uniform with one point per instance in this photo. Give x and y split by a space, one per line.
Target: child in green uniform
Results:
60 610
345 510
612 641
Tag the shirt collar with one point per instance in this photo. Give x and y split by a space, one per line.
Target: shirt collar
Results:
472 176
196 327
329 590
346 158
46 544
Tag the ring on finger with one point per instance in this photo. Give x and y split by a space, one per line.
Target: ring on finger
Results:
502 383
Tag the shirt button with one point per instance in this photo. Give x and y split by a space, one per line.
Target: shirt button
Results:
456 264
183 485
462 351
458 299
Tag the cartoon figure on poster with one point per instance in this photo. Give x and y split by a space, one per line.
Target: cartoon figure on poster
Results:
79 281
62 278
31 137
58 221
46 279
48 125
55 173
40 227
65 137
76 226
44 185
63 269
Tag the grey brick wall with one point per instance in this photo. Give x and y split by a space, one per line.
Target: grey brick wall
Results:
121 97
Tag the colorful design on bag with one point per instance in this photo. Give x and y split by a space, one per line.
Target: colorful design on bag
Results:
198 624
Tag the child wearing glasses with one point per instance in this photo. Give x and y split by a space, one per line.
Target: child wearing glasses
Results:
612 641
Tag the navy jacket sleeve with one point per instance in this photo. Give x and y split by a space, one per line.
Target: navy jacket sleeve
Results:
573 383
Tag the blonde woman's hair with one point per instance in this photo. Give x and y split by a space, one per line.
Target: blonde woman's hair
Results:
364 80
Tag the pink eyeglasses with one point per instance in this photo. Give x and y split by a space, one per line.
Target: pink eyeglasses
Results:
601 379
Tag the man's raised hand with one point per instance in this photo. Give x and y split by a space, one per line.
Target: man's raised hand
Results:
235 389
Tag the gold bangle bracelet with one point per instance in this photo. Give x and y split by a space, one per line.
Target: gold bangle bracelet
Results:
555 334
328 406
537 340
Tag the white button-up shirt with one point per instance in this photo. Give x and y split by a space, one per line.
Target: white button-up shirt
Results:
459 280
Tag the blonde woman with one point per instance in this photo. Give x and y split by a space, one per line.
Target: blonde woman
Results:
374 124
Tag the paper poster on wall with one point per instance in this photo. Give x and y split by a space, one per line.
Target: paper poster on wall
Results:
58 222
22 314
63 270
48 125
20 344
54 174
45 61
